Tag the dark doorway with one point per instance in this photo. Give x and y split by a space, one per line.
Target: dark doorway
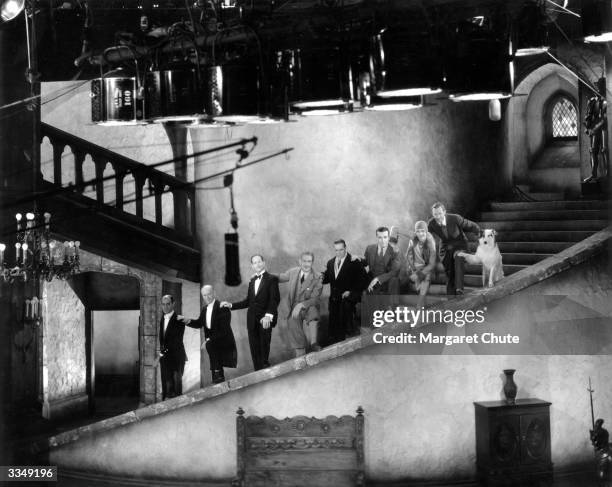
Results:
116 360
113 347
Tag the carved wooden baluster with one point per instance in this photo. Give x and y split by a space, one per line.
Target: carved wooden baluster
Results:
158 188
139 180
58 150
119 177
180 210
79 159
100 165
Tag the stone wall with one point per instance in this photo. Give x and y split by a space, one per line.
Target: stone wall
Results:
63 349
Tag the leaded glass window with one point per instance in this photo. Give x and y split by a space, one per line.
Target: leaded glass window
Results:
564 119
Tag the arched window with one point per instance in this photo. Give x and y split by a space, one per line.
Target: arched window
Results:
562 119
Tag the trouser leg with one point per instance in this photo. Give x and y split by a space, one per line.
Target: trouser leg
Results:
449 268
336 324
265 337
254 347
459 268
165 379
216 364
348 313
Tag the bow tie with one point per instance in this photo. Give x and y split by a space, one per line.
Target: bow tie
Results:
258 277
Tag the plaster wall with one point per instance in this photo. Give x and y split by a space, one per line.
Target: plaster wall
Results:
346 176
523 126
419 411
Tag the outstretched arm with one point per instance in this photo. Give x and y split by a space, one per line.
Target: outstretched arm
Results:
468 225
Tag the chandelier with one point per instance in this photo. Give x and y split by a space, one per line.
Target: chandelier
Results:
36 255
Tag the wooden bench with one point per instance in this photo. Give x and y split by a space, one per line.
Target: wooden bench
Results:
300 451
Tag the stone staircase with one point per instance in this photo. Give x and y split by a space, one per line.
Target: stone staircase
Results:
530 231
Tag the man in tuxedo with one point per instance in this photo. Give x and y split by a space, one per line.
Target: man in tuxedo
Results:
219 338
172 355
383 265
450 229
345 277
261 302
301 304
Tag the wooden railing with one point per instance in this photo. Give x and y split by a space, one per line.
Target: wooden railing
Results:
160 182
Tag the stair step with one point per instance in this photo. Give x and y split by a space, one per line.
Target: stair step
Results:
541 247
515 225
440 289
411 300
510 258
476 270
551 205
556 179
559 214
474 281
544 236
539 196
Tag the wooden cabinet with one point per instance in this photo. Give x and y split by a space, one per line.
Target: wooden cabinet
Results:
513 443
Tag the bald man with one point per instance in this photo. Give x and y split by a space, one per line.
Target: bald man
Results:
172 351
219 338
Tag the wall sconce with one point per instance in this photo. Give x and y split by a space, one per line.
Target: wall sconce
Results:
33 311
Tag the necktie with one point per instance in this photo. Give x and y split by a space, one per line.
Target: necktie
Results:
302 279
337 265
380 252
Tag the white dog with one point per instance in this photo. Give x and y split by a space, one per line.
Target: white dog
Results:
489 256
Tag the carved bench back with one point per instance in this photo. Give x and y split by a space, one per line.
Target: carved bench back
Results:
300 451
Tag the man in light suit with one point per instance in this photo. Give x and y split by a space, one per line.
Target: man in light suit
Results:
383 265
345 277
450 229
261 302
172 356
219 338
301 304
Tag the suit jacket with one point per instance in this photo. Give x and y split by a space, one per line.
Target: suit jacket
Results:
390 259
308 292
171 341
456 226
265 301
220 333
350 278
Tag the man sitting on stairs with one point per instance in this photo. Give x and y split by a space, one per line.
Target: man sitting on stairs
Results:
450 229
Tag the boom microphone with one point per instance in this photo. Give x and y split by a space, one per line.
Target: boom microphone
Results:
232 260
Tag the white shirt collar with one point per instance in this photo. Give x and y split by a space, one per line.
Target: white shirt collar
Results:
167 316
